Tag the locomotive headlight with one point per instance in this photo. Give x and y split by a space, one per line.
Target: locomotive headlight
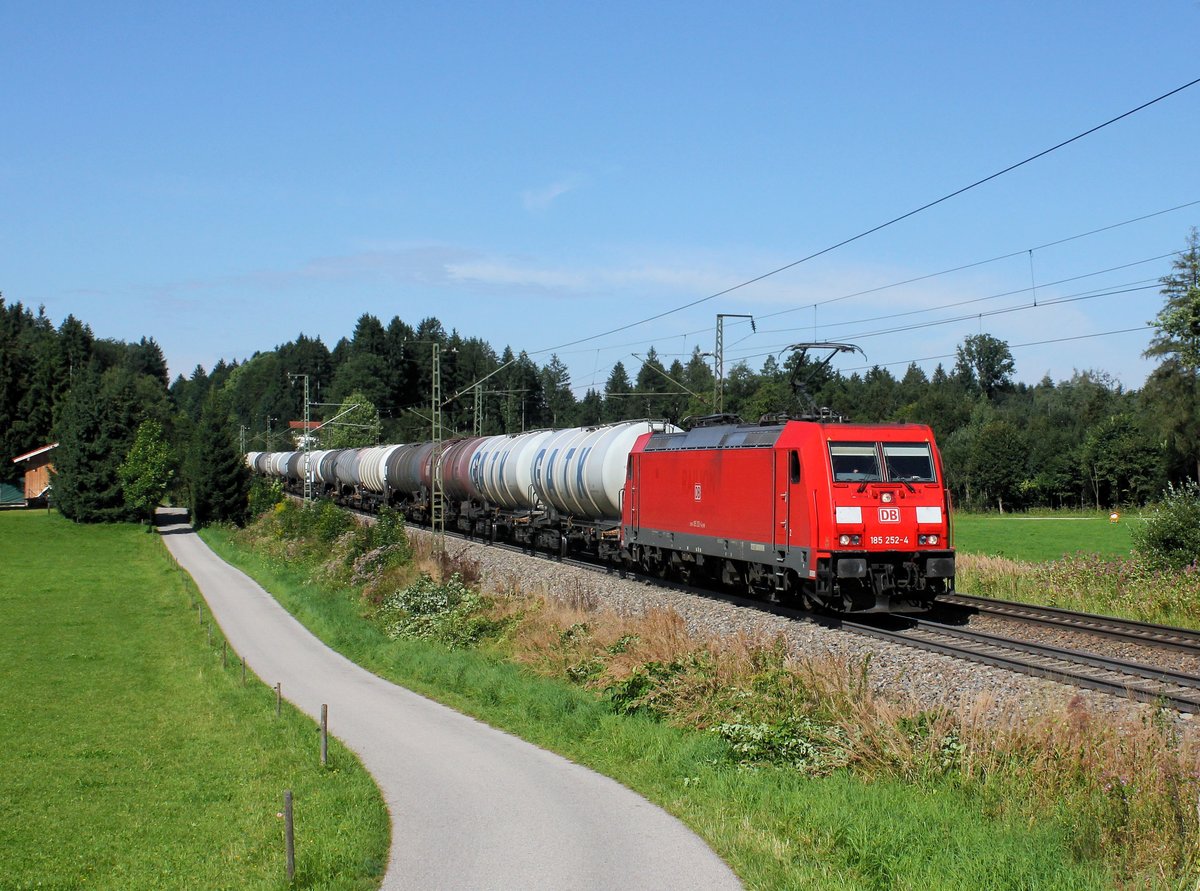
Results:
927 539
886 497
846 540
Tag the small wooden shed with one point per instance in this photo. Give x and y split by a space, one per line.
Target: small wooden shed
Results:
38 466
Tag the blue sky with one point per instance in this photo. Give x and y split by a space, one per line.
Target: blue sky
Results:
225 176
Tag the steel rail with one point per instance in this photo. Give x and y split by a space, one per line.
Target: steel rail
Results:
1052 663
1165 636
1053 667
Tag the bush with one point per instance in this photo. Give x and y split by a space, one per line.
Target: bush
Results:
1170 537
450 613
264 495
801 743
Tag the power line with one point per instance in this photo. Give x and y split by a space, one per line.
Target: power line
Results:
913 312
879 227
1013 346
977 263
1108 291
1070 298
920 278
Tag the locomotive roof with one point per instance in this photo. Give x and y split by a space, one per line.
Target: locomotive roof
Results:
750 436
740 436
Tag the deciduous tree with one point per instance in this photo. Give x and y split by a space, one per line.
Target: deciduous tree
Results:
147 470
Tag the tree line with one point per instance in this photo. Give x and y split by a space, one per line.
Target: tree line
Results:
124 443
1082 442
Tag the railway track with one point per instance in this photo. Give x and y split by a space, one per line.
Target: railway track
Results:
1079 668
1145 683
1180 639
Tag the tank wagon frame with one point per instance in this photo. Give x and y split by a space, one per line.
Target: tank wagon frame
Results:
842 516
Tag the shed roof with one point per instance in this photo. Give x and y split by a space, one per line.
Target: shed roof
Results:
34 453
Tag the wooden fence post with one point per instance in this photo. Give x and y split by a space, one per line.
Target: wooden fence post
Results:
324 734
289 832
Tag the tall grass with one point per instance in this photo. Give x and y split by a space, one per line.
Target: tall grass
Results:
792 767
1117 586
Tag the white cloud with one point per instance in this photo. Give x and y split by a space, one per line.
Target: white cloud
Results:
498 272
536 200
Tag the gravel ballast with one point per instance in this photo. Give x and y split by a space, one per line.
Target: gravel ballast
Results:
896 672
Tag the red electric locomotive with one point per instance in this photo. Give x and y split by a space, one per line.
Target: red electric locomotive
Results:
850 517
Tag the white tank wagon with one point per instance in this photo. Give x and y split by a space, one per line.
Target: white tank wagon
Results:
310 468
358 467
548 463
278 463
502 469
297 467
559 489
325 470
343 470
373 468
581 472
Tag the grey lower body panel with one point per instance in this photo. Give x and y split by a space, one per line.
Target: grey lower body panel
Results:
795 559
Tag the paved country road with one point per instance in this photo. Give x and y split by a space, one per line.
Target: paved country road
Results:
471 807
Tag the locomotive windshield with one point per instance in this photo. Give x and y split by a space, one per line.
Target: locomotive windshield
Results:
858 462
855 462
909 462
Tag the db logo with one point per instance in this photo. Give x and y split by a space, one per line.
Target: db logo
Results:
889 515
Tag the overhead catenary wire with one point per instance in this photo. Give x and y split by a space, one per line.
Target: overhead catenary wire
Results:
938 358
912 312
924 277
1011 346
1072 298
977 263
878 227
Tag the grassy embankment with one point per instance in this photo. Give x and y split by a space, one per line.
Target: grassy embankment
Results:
134 759
790 768
1077 561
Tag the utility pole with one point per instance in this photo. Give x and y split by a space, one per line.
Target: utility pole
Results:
242 439
719 357
437 514
307 444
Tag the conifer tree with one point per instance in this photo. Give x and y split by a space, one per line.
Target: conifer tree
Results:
86 485
217 474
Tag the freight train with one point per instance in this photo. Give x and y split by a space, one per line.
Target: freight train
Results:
838 516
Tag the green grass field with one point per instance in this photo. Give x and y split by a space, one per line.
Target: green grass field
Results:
778 828
1038 538
134 760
